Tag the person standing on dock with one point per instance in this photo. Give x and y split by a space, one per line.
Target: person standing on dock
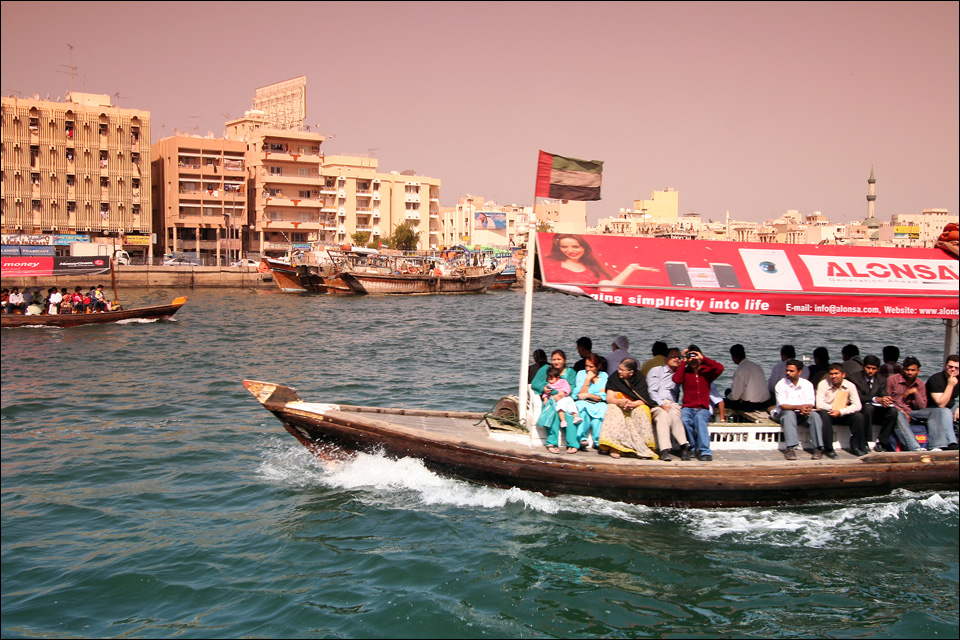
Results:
796 402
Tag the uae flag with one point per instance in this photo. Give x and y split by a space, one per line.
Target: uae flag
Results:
568 178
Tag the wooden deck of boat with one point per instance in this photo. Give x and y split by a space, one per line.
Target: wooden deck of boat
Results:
469 428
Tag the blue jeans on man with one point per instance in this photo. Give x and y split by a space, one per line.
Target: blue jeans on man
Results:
940 432
695 424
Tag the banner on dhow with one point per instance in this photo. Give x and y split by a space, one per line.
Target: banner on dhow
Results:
756 278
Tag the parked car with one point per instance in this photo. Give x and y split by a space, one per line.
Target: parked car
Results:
246 262
180 262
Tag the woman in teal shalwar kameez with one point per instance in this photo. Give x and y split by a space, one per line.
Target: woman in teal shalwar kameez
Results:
590 393
549 419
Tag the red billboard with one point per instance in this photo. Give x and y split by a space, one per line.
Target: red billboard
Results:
757 278
50 266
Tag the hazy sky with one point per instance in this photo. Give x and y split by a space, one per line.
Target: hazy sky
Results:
755 108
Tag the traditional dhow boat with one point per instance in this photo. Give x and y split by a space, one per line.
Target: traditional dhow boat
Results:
461 444
159 312
413 274
300 275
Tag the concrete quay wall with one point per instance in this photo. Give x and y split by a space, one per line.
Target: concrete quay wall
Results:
155 276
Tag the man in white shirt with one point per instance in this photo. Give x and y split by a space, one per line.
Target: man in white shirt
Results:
748 392
796 405
838 402
787 352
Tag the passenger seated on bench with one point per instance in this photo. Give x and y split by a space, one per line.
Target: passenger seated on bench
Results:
549 419
909 394
838 402
558 390
666 410
891 361
787 352
748 391
872 388
795 405
943 389
694 377
942 392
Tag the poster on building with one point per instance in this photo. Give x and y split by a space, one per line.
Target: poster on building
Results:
753 278
490 220
904 232
47 266
29 250
141 240
27 238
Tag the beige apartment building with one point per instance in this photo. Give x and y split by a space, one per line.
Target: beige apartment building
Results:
366 200
300 196
78 168
200 197
287 207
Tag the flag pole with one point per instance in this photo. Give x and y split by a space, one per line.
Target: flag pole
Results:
527 315
527 322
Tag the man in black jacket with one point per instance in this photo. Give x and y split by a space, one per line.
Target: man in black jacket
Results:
872 388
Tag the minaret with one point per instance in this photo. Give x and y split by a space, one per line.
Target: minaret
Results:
871 193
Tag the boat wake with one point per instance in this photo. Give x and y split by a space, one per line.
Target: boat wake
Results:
407 484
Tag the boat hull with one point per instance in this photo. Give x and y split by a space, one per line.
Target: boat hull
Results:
417 283
452 443
78 319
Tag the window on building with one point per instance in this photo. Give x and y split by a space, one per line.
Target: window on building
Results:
103 128
304 193
70 155
276 171
34 125
34 155
298 237
71 180
303 172
104 181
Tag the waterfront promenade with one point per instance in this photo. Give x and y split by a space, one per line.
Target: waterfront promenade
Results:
157 276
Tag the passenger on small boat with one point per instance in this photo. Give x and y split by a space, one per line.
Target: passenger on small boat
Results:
694 378
796 404
839 403
618 355
591 392
666 410
748 391
558 390
627 427
584 348
909 394
549 419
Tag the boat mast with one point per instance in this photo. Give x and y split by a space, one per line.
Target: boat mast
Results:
115 305
527 318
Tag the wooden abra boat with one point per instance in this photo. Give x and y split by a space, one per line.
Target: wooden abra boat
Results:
412 274
159 312
460 444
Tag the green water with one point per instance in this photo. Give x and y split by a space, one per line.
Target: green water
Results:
145 493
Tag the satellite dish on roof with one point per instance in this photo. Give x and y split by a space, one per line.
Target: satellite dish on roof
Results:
408 172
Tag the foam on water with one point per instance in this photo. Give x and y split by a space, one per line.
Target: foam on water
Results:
407 483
